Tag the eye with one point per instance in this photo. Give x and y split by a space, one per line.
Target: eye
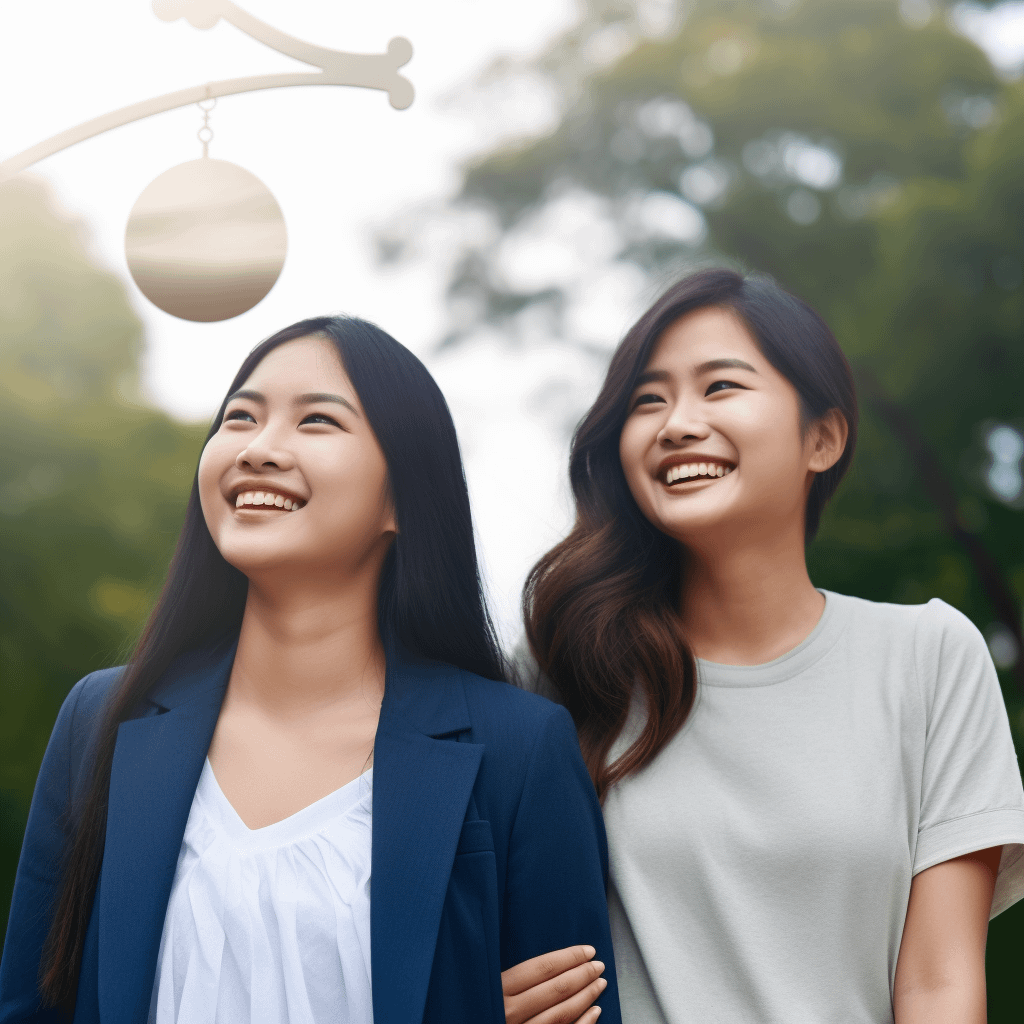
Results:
648 398
240 414
723 385
321 417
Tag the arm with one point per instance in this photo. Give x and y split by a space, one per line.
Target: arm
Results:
940 973
38 876
555 882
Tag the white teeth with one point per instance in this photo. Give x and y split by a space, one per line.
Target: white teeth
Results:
691 469
267 498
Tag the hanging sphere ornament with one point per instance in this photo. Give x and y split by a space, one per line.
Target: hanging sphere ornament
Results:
206 240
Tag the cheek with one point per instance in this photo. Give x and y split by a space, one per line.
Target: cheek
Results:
353 484
773 458
212 464
632 445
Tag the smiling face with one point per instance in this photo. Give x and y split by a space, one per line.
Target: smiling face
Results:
713 448
295 478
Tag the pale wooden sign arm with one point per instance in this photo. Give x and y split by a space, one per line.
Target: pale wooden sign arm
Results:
368 71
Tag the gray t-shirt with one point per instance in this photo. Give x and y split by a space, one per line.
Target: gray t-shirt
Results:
761 864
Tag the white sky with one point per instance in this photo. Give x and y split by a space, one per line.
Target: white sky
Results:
340 162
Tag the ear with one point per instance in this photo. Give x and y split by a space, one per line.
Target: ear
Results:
827 440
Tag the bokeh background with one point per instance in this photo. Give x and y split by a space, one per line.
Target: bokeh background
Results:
564 159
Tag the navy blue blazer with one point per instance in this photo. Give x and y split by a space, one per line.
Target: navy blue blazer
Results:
488 843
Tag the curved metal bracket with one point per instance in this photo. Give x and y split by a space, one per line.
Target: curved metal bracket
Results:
369 71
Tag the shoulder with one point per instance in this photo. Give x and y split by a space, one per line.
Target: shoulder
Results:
89 694
934 642
913 623
942 623
80 714
503 705
532 763
518 729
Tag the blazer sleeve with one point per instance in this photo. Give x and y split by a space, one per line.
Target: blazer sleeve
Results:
37 879
558 861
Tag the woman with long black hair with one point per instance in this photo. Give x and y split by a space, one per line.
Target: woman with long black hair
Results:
315 705
812 801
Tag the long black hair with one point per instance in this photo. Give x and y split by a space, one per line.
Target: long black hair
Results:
430 598
601 607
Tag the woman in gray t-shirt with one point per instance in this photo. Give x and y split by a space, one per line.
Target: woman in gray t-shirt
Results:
812 801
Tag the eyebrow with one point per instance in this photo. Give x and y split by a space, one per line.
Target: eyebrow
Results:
660 376
310 398
722 364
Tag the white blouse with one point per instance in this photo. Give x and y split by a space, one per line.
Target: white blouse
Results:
269 925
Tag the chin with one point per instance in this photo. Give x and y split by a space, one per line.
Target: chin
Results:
250 559
695 525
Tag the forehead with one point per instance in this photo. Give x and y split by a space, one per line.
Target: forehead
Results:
304 364
703 335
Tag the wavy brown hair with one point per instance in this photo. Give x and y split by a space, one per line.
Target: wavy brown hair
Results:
601 608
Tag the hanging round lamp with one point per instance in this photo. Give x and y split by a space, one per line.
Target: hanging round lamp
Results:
206 240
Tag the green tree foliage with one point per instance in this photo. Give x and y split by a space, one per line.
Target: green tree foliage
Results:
92 486
871 166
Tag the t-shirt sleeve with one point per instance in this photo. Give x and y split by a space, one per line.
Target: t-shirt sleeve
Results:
971 793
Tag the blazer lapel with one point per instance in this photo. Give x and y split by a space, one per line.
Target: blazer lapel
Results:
421 789
157 763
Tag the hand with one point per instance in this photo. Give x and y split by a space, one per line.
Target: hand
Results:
555 988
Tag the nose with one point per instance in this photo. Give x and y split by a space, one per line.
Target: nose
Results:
683 424
265 452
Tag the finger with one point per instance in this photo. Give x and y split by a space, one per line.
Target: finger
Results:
534 1001
570 1011
590 1016
549 965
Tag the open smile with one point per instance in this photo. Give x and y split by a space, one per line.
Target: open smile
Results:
680 474
267 501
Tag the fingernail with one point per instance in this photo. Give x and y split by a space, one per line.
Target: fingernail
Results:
598 1014
602 983
590 951
598 965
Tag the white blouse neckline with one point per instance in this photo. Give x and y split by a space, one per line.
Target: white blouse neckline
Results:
313 818
269 925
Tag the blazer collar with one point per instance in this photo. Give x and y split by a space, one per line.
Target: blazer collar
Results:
196 675
423 696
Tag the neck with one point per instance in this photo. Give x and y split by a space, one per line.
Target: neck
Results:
750 602
307 644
